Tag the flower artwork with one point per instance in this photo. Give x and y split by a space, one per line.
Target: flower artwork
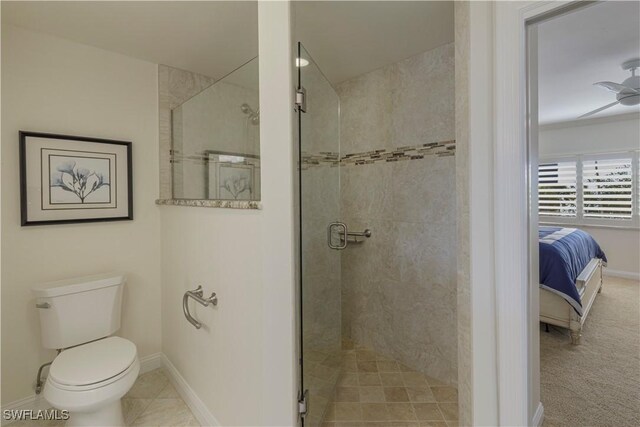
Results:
237 185
81 177
68 179
235 182
232 176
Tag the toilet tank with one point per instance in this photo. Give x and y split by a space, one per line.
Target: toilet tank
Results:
76 311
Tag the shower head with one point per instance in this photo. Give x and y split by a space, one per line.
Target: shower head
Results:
254 116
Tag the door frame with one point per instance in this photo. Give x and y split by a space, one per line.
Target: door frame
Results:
515 233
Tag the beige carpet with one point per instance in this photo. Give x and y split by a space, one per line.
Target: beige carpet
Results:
596 383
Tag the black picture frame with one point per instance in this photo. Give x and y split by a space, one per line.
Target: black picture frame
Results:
23 137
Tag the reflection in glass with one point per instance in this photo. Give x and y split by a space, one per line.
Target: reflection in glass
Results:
216 140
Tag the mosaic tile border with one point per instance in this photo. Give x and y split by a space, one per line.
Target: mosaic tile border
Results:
228 204
416 152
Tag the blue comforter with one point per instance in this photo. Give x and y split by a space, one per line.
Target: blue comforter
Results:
564 253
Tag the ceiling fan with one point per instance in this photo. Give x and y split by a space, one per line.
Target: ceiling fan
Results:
627 92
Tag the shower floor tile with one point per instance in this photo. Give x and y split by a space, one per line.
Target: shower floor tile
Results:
377 391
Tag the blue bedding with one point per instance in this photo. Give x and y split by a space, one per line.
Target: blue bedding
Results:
564 253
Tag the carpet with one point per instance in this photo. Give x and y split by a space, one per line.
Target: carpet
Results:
596 383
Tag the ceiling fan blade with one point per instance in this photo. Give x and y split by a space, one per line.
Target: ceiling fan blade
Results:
616 87
597 110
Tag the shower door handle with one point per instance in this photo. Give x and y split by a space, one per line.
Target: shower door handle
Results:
343 239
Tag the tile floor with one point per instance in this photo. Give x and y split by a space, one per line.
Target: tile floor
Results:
152 401
373 390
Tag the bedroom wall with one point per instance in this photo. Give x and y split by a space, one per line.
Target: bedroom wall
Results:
398 179
54 85
608 134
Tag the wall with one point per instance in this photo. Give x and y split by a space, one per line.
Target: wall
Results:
53 85
609 134
200 247
242 363
218 249
398 179
477 342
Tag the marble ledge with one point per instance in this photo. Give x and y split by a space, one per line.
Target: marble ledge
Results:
198 203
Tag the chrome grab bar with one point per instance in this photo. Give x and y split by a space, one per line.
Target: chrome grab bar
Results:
346 236
196 294
357 236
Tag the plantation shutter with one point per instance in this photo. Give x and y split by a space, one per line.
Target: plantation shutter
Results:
608 188
557 189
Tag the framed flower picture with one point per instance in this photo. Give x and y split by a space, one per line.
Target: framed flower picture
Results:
232 176
70 179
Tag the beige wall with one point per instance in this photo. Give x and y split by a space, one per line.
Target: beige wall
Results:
221 361
608 134
622 247
399 286
242 363
53 85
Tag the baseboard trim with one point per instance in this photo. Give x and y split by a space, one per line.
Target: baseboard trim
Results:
150 362
621 274
538 417
198 408
36 402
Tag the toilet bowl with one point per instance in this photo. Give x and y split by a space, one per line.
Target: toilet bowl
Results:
89 381
94 369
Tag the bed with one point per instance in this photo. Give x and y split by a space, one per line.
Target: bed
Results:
571 264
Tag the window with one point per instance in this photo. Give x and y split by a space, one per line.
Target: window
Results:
607 188
590 190
557 190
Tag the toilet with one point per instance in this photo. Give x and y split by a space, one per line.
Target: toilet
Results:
94 369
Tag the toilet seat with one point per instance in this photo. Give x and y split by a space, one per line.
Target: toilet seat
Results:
83 401
93 365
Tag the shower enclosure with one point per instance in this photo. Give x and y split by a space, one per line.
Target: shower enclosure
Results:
216 140
377 242
319 138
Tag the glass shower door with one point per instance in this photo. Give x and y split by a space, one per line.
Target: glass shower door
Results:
320 293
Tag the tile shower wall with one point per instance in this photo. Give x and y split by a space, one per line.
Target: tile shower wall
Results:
398 179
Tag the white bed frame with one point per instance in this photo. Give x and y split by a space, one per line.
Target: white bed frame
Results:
555 310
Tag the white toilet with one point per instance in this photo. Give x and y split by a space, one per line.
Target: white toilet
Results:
94 370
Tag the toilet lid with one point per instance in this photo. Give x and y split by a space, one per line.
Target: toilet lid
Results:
93 362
